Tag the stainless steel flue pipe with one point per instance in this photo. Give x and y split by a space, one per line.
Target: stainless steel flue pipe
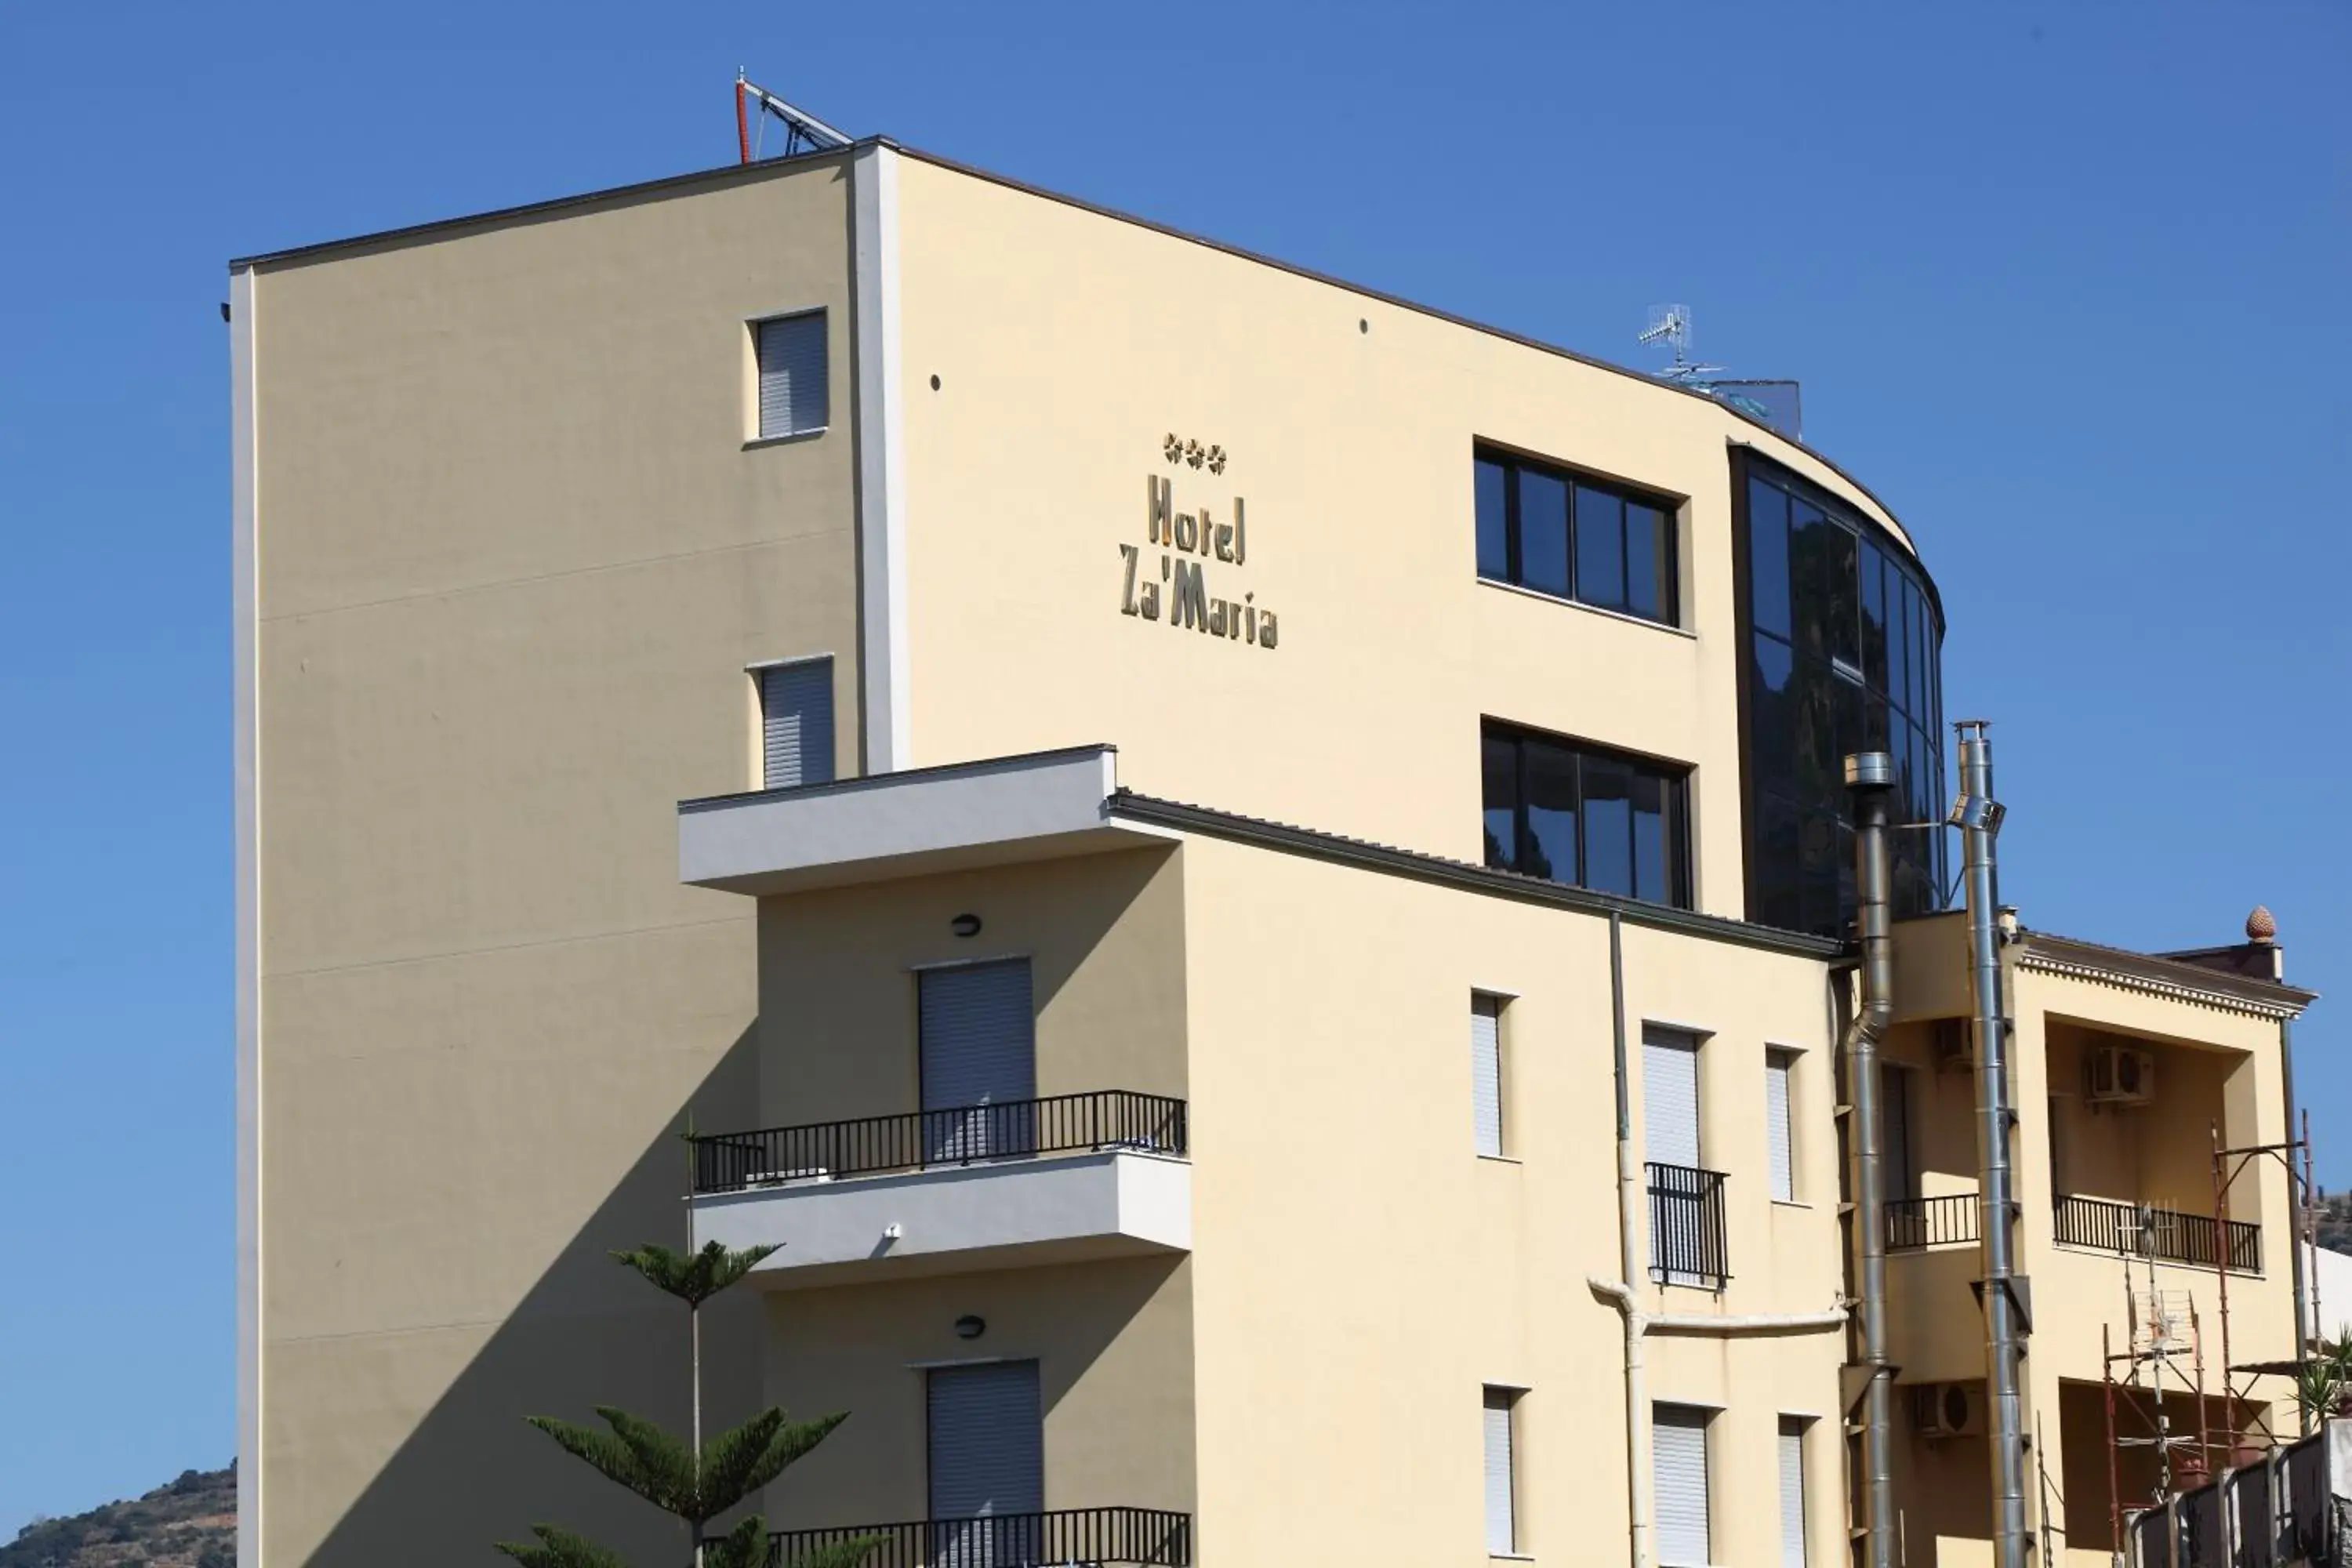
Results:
1869 779
1978 815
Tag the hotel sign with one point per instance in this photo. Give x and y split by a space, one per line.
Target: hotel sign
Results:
1175 581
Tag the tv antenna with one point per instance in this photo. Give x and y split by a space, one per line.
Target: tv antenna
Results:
1773 403
803 132
1671 325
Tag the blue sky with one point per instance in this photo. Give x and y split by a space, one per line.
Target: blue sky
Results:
2064 284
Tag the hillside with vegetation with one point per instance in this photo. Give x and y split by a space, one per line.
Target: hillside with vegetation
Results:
2332 1225
189 1523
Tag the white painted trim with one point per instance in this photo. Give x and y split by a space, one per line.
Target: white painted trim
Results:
245 747
886 726
757 665
1021 957
955 1362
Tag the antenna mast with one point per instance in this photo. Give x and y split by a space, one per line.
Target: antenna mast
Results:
1774 404
803 132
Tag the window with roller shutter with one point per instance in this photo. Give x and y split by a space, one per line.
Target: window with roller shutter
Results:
794 396
1502 1520
796 723
1678 1455
1792 1491
1486 1072
1779 1140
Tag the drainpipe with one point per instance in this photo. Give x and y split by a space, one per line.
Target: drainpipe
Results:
1869 779
1640 1481
1978 817
2298 1217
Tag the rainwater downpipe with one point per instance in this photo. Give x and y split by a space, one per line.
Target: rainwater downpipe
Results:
1978 817
1641 1479
1869 779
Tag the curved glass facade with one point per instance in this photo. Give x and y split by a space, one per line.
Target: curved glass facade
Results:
1841 639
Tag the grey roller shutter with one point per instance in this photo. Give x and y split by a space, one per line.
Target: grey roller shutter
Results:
1778 1151
793 392
796 723
1487 1071
979 1059
1502 1528
1678 1454
1792 1492
1669 1098
988 1464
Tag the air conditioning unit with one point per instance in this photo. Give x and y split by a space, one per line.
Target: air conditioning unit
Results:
2119 1075
1947 1409
1953 1043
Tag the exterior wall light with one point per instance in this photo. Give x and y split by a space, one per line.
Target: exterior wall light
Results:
969 1327
965 925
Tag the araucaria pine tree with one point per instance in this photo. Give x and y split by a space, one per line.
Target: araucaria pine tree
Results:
695 1481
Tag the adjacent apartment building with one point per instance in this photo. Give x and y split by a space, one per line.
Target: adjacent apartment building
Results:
1242 872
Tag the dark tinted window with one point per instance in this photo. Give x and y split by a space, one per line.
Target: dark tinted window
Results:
1599 548
1543 531
1572 813
1493 536
1574 537
1842 655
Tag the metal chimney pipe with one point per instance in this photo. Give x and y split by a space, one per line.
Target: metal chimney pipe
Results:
1978 815
1870 780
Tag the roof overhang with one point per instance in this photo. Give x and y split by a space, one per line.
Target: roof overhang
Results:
1042 806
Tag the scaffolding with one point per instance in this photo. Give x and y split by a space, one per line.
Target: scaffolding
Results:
2165 1347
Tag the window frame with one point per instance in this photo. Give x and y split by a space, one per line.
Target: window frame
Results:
1579 482
1673 777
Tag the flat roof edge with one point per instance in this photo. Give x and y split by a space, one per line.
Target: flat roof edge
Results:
1399 302
720 175
1363 855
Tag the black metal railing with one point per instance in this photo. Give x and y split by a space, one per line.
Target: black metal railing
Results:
915 1140
2145 1230
1915 1223
1145 1536
1686 1235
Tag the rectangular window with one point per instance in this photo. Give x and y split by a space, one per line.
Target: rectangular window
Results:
796 723
1792 1491
1678 1455
1572 813
1575 537
1670 1097
1779 1136
792 382
986 1452
1486 1072
1502 1522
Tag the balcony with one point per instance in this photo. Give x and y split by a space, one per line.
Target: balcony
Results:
1687 1231
1009 1185
1918 1224
1142 1536
2145 1230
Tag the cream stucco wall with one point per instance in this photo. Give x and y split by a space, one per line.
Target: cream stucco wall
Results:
512 556
1360 1273
1068 344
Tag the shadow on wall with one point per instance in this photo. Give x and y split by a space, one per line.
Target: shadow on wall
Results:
588 1332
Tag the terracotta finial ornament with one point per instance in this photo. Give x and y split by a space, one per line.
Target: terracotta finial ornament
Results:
2261 926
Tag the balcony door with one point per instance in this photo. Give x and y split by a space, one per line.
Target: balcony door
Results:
1686 1206
987 1453
978 1061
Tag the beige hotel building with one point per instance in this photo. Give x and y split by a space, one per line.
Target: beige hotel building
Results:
1255 880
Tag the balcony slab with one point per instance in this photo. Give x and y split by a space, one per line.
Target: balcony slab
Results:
1009 1214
